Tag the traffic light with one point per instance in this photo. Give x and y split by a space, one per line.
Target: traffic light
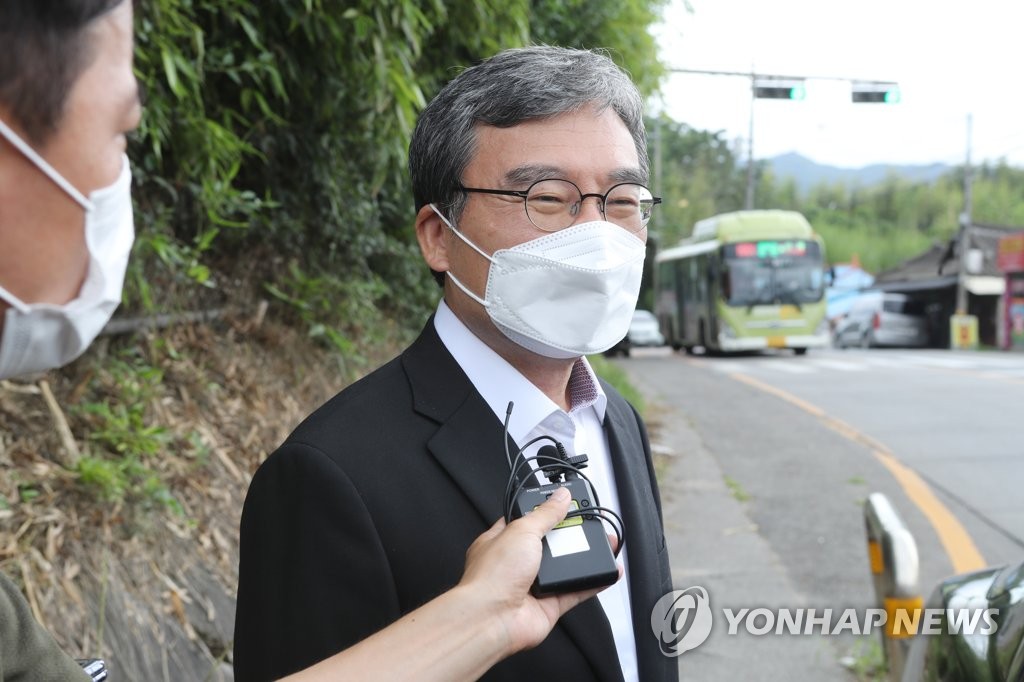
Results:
779 88
875 91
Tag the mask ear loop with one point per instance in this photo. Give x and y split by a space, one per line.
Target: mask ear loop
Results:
47 170
460 235
476 248
12 300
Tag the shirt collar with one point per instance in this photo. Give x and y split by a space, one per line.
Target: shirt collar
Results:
498 382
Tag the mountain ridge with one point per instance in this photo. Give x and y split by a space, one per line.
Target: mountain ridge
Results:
808 174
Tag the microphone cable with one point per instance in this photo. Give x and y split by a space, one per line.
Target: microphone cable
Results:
554 468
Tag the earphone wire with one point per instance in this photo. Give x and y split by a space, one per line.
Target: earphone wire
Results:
515 486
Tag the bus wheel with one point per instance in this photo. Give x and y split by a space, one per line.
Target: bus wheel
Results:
689 350
800 351
702 341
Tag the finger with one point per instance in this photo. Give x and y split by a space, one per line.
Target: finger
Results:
546 516
571 599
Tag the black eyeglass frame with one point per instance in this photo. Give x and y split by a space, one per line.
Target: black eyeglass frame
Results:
524 194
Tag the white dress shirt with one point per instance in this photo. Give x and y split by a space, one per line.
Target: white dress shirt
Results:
579 430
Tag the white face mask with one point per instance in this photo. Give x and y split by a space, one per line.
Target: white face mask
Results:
41 336
566 294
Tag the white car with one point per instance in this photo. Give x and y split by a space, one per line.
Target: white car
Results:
643 330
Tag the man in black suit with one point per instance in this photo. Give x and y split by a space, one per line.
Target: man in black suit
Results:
528 171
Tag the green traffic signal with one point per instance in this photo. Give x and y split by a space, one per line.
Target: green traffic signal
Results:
779 88
876 91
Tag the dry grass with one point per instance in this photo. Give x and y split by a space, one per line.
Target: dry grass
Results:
106 570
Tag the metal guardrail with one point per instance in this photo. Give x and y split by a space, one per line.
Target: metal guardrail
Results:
895 572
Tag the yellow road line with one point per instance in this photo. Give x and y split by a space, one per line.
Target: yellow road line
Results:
962 551
959 546
779 393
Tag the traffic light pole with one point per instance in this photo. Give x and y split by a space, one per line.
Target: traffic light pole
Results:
781 87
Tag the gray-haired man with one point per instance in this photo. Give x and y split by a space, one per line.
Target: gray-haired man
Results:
529 173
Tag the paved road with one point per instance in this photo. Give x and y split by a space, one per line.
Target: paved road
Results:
763 497
953 418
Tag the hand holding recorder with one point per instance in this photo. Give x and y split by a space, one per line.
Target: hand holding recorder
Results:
487 617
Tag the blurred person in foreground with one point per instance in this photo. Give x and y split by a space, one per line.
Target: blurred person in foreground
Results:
528 171
68 97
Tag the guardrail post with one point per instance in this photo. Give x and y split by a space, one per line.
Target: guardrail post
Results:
895 571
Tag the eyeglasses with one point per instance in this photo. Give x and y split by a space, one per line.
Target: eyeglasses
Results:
552 205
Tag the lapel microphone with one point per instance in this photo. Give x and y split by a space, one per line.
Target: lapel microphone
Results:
576 552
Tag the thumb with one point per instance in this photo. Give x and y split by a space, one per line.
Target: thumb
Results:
546 516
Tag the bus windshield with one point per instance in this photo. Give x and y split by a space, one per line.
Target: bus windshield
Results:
772 271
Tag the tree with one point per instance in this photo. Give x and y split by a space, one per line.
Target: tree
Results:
274 136
699 177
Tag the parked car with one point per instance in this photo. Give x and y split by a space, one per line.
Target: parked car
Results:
878 318
643 331
954 654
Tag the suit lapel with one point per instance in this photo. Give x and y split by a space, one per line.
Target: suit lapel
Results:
643 529
468 445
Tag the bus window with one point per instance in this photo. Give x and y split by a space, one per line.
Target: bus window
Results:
750 282
764 272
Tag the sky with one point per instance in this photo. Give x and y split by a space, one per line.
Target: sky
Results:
951 60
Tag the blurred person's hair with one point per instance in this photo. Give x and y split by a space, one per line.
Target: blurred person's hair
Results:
46 46
512 87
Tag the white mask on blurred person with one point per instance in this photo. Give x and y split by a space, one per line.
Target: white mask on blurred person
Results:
566 294
41 336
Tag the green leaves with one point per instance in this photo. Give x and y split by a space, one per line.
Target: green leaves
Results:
699 177
285 126
123 440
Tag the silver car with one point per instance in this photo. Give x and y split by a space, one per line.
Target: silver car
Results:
883 319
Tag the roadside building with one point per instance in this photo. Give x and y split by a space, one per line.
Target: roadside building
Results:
1010 261
931 277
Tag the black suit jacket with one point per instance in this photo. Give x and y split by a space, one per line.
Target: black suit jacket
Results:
367 510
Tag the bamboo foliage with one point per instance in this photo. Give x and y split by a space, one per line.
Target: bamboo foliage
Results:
284 126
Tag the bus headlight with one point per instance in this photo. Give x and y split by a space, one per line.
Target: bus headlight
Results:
725 331
823 328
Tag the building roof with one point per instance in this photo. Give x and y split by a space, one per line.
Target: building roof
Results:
942 261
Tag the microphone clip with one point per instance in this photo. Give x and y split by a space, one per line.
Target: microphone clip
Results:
555 472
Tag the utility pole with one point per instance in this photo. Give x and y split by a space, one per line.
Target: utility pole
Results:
658 186
965 224
749 204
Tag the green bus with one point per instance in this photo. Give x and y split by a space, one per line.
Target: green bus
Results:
744 281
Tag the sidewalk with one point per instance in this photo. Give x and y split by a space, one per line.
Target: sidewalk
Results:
713 544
